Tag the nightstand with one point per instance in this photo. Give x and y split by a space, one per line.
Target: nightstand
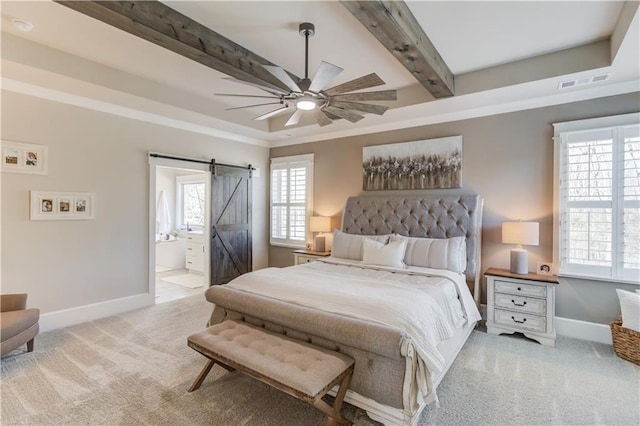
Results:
521 303
306 256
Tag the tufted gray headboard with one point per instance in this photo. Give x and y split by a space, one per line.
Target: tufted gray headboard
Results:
433 216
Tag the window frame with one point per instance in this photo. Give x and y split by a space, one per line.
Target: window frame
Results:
289 162
589 272
180 182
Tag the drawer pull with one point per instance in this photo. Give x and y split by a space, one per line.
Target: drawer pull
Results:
519 322
519 289
514 302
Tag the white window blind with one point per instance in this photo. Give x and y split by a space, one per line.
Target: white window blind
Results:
598 199
291 197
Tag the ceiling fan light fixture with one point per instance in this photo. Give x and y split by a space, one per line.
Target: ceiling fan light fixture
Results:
306 103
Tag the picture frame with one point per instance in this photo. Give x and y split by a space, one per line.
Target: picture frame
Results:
46 205
422 164
544 268
18 157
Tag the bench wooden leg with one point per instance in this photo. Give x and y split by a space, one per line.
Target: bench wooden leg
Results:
203 375
334 416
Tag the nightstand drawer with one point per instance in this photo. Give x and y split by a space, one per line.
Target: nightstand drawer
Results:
520 320
306 259
520 289
521 304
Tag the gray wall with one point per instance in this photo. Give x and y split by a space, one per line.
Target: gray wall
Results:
508 160
67 264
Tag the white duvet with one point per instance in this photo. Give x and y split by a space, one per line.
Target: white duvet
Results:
428 304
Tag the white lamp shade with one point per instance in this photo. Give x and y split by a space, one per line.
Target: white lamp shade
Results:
320 224
525 233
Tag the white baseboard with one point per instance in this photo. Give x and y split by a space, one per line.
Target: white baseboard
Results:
584 330
94 311
576 329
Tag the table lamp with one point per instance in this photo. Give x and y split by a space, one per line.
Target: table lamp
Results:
319 224
520 233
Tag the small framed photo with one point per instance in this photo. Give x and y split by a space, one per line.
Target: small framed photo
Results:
61 205
64 205
544 268
24 158
46 204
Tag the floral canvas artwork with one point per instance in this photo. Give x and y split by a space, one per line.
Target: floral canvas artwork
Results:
426 164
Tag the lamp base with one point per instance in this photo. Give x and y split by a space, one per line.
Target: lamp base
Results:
318 243
519 261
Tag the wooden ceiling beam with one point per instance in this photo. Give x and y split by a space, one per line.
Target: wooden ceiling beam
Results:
393 24
159 24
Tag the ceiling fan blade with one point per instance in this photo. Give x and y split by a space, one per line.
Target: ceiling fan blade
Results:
381 95
247 96
331 116
347 115
295 118
370 80
326 72
272 113
373 109
249 106
272 90
322 118
282 75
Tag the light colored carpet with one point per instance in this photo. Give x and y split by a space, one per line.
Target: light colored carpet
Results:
186 280
135 368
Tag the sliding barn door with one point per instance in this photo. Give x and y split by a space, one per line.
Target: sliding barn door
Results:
230 223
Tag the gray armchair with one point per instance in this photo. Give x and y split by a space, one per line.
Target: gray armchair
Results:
18 325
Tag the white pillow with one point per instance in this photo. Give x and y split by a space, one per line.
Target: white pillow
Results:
630 307
377 253
349 246
446 253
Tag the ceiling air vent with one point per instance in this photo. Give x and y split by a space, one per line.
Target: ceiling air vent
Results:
584 80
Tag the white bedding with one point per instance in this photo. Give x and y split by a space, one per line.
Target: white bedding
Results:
429 305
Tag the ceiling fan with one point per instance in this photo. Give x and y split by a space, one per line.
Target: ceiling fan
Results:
311 95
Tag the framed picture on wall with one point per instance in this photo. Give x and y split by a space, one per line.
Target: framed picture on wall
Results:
425 164
20 157
47 205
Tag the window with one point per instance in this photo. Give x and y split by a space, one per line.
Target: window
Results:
597 227
291 198
191 201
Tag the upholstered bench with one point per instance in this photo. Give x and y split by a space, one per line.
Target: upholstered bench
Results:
301 370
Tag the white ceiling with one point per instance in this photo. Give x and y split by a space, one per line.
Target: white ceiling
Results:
470 36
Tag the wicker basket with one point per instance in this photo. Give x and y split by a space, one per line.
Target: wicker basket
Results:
626 342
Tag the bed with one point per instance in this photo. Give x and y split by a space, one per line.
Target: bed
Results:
398 364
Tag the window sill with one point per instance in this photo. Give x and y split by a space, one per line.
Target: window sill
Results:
603 279
290 246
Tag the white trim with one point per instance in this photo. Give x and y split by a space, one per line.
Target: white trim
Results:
93 311
584 330
608 280
594 124
427 114
122 111
292 159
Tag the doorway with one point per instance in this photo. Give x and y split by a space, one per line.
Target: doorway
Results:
180 211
